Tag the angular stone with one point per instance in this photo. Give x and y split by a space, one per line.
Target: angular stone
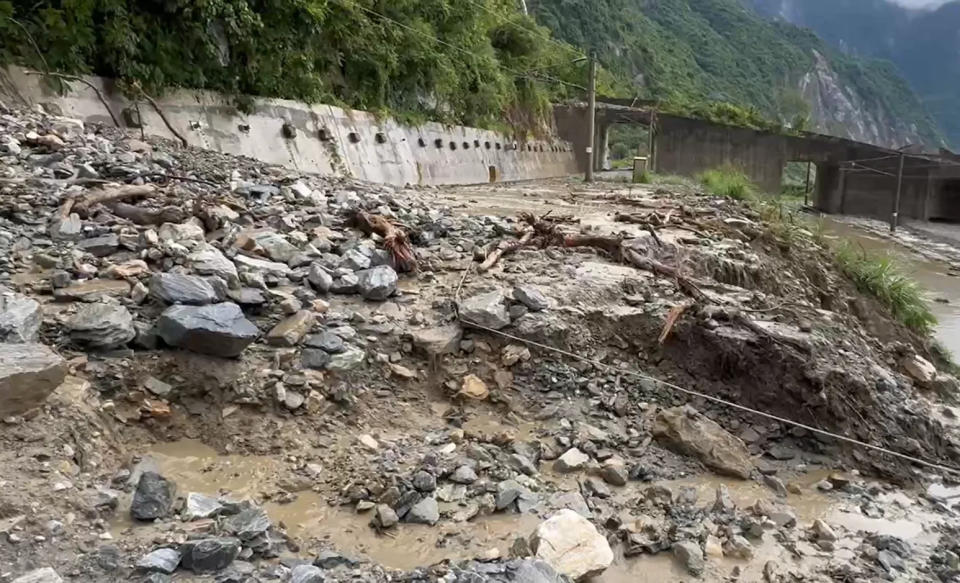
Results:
276 246
44 575
201 506
320 278
571 545
292 329
385 516
102 326
210 554
20 318
208 260
247 524
919 368
307 574
69 229
348 360
314 358
327 341
488 310
425 511
346 284
94 288
217 329
439 340
690 555
100 246
571 461
464 475
153 498
262 266
354 260
176 288
531 297
377 283
160 560
247 296
28 374
424 481
615 475
176 232
686 431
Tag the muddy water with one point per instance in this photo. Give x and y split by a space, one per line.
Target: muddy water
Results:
197 468
931 275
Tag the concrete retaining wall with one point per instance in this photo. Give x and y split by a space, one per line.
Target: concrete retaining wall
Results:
327 140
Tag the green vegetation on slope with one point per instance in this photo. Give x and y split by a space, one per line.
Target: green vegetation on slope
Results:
691 52
464 61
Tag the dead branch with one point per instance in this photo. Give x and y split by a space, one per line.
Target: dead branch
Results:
686 284
163 116
144 216
759 330
96 90
395 239
672 317
505 248
105 195
611 245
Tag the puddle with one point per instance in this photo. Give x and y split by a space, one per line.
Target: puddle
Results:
196 467
931 275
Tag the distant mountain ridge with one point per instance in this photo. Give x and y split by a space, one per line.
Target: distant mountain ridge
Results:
923 43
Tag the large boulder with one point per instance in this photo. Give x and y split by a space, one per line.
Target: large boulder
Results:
217 329
162 560
101 326
209 555
377 283
28 374
100 246
44 575
438 340
208 260
177 288
488 310
153 498
571 545
20 318
687 432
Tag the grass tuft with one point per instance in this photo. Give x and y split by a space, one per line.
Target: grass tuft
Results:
729 182
881 277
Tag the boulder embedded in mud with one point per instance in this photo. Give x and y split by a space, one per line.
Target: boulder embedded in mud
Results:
690 555
686 431
44 575
153 498
377 283
488 310
307 574
919 369
571 461
531 297
28 374
201 506
425 511
161 560
209 555
248 524
217 329
20 318
439 340
291 329
101 326
176 288
326 341
571 545
347 360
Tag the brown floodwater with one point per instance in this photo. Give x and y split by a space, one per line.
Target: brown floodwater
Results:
930 274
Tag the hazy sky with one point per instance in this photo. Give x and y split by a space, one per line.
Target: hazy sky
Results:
921 3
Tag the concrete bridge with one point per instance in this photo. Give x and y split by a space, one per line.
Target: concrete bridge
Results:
851 177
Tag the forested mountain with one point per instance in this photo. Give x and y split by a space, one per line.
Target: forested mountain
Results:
691 51
923 43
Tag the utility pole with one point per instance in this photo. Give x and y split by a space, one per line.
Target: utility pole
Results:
591 117
806 186
895 215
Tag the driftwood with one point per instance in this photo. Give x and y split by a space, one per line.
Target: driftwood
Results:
505 248
145 216
395 239
104 195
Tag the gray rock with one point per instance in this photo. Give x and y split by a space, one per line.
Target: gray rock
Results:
291 329
68 229
508 491
153 498
572 545
201 506
385 517
20 318
424 481
776 485
217 329
425 511
320 278
306 574
208 260
44 575
377 283
327 341
101 325
262 266
517 311
100 246
571 461
464 475
157 387
346 284
247 524
531 297
354 260
572 501
156 578
276 246
209 555
28 374
347 360
890 561
686 431
247 296
439 340
614 475
488 310
690 555
314 358
523 464
176 288
160 560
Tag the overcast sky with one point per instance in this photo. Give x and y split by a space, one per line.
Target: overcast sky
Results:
921 3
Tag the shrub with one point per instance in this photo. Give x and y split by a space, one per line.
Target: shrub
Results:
729 182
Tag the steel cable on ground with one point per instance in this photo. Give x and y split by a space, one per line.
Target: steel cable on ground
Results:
694 393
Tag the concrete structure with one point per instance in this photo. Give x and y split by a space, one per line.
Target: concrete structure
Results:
852 177
313 138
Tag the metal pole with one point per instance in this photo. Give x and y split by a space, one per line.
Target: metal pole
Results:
806 188
895 216
843 189
591 118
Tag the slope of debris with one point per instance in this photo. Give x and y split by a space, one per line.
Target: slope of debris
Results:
214 369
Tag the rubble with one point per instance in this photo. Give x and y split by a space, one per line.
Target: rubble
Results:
28 374
571 545
101 326
217 329
20 318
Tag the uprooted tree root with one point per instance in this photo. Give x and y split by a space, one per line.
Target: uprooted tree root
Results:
395 239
